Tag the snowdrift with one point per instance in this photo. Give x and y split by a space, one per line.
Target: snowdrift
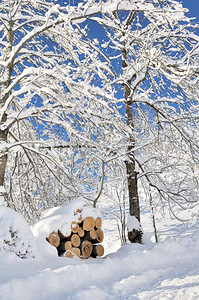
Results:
16 238
168 270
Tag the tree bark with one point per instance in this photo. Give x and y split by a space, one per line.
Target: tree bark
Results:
4 133
3 158
135 235
4 85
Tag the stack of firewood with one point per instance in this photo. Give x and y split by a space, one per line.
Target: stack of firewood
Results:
83 241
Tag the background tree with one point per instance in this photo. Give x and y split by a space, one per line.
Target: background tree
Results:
153 48
51 112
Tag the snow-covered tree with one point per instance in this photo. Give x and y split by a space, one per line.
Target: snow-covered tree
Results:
73 106
51 112
153 49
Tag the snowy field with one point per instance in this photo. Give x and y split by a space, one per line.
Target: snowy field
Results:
167 270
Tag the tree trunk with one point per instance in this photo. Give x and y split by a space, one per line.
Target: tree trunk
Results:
4 85
3 158
135 235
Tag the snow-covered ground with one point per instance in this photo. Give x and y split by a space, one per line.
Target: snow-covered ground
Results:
167 270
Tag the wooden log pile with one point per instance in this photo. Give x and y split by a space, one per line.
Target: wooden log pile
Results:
83 241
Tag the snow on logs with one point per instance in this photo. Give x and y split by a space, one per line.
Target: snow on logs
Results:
83 240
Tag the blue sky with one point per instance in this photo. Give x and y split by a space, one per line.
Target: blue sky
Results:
193 6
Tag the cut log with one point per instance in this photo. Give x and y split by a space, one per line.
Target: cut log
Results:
74 227
64 246
68 245
76 251
75 240
88 223
90 235
54 239
82 239
99 235
98 250
80 219
86 249
98 222
81 232
69 254
77 211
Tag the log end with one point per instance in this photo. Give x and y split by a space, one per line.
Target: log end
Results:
98 250
87 249
75 251
69 254
81 232
54 239
88 223
74 227
75 240
100 235
98 222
